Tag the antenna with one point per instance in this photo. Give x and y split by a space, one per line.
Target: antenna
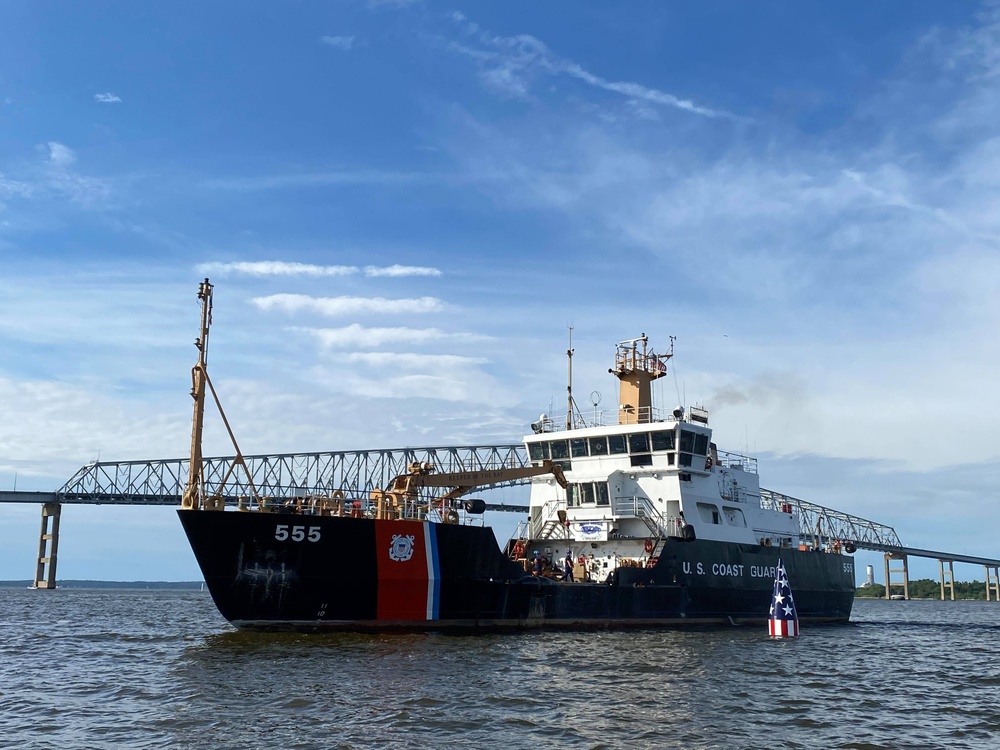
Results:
595 399
569 386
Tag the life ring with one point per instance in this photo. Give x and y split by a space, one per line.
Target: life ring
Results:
648 546
850 548
518 550
451 516
708 463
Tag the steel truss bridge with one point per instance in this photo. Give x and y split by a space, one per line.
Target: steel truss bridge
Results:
357 473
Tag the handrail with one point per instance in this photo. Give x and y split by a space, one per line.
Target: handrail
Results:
639 506
827 523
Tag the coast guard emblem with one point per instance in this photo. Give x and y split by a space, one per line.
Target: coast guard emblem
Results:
401 548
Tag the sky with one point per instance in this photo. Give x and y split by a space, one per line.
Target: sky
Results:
404 205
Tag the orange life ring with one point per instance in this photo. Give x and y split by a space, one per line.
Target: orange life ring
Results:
648 546
518 550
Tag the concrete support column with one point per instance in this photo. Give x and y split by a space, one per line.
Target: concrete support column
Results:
947 578
48 547
888 575
992 583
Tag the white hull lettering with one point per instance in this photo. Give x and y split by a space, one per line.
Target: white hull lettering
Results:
724 569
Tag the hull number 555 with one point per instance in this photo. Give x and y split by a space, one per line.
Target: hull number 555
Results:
296 533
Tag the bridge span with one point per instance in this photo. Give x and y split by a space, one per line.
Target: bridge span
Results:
357 473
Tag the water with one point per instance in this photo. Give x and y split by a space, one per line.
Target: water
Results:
161 669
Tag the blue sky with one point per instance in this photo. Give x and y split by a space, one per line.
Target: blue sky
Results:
404 204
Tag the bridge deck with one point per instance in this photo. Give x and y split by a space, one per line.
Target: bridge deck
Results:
161 482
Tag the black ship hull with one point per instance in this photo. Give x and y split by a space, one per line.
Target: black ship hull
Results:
270 571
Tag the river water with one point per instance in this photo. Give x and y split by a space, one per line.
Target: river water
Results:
161 669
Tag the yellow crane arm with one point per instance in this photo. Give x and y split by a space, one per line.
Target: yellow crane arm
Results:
467 480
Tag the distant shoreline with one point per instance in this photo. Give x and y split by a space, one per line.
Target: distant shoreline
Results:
85 584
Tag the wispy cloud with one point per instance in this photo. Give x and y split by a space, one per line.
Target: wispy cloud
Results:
334 306
412 361
397 271
343 43
60 155
275 268
356 335
61 177
107 98
509 64
288 268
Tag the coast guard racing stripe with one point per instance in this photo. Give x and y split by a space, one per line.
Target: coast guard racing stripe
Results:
409 588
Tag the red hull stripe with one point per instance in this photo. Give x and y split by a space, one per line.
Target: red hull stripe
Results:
407 565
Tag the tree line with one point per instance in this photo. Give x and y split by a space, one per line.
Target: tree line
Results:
925 588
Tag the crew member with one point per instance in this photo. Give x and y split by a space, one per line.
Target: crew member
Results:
568 573
536 564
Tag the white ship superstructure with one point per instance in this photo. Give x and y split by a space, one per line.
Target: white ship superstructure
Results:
647 477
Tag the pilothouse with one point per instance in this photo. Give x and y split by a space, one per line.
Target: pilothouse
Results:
638 476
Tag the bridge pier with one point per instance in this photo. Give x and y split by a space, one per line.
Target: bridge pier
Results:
992 582
889 571
48 547
947 581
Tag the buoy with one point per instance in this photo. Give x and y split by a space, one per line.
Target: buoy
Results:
783 621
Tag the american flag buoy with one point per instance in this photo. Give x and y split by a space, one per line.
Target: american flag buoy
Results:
784 620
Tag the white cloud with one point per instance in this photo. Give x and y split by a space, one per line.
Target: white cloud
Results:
509 64
333 306
411 361
339 42
14 188
357 335
60 155
107 98
275 268
398 271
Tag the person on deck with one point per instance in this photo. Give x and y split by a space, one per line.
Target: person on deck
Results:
536 564
568 573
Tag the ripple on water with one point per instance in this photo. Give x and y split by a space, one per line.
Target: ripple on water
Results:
162 670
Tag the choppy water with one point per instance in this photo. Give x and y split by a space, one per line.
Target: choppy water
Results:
160 669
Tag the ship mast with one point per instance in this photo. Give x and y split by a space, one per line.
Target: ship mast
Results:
569 386
199 374
636 370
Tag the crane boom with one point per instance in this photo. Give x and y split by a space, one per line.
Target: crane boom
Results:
471 479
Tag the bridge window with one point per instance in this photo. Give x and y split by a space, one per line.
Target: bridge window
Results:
578 447
598 446
687 441
616 444
638 443
701 445
538 451
560 449
663 441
